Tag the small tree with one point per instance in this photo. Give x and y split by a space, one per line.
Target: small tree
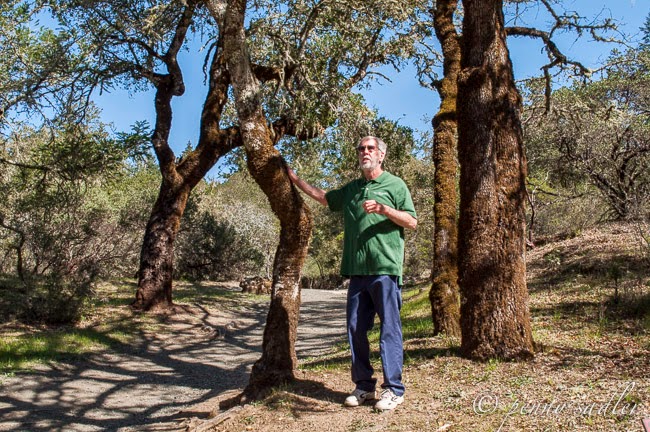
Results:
59 230
597 133
228 232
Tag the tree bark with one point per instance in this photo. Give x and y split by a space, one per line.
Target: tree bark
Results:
495 321
278 361
444 295
179 177
157 254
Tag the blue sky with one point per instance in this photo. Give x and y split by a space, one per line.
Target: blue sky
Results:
400 99
414 106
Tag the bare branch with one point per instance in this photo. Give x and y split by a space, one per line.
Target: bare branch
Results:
23 165
167 87
557 56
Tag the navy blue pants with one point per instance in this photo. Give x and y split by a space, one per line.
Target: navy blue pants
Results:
367 296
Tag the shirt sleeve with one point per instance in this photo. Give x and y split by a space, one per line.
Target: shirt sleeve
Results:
335 199
405 202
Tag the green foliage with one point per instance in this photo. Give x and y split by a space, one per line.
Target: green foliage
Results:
52 299
592 150
212 249
229 232
127 38
327 48
418 173
70 215
42 68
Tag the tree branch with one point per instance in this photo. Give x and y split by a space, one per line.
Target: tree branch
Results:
23 165
557 56
565 21
167 87
291 127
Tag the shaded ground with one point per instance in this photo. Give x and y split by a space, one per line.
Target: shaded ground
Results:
152 385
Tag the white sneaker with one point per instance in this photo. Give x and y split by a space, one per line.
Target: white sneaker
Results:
358 397
388 400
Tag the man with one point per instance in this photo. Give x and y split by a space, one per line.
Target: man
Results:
376 208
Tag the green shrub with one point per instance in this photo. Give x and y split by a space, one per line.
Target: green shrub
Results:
213 249
53 299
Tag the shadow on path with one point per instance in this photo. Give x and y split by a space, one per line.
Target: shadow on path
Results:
147 384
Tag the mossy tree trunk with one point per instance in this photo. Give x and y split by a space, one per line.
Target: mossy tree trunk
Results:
495 320
179 177
154 291
444 296
278 361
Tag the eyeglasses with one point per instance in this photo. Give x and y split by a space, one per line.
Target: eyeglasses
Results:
371 148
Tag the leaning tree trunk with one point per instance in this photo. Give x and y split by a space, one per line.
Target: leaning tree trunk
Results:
278 360
179 177
444 297
495 320
157 254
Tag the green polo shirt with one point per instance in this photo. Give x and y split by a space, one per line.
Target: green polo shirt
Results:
372 243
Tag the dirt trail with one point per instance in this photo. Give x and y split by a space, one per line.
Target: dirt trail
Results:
156 383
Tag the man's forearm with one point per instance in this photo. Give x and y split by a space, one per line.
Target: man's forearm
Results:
401 218
313 192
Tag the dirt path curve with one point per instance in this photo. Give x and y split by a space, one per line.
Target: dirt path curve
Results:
152 385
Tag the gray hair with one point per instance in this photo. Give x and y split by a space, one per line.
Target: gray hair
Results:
381 144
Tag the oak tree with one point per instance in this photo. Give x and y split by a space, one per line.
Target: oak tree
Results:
495 320
316 63
443 296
